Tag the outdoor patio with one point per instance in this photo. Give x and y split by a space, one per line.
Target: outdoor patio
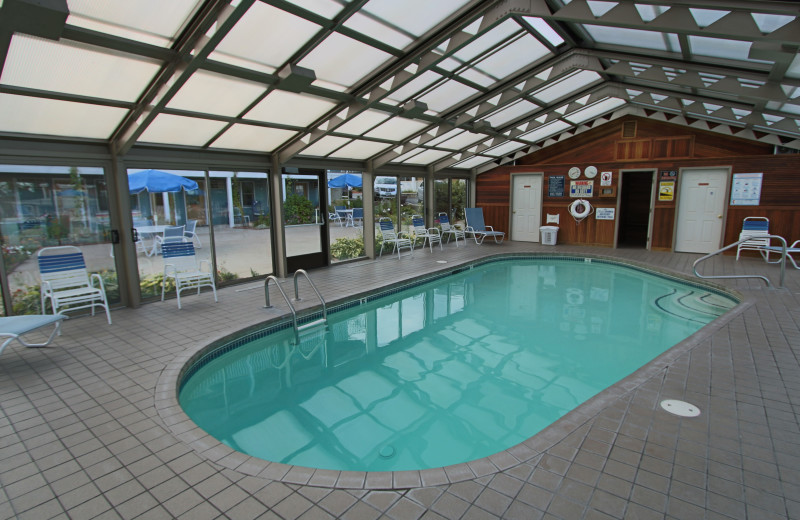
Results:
88 430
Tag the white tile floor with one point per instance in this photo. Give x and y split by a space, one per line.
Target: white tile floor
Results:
88 430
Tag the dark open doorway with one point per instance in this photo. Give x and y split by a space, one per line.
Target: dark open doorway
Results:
634 218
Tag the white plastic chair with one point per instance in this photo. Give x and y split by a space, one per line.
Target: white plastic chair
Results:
180 264
757 229
66 282
190 234
429 235
451 230
390 236
173 234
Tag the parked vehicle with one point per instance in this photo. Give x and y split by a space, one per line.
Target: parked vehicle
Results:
386 186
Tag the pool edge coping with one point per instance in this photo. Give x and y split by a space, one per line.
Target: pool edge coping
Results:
185 430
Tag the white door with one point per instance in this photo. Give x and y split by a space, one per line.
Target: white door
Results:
700 210
526 213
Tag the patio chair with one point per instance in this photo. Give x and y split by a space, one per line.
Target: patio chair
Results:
342 215
451 230
390 236
190 234
240 218
790 250
14 327
66 282
757 229
334 216
478 229
429 236
172 234
180 264
358 217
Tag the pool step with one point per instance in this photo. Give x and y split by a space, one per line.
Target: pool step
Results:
688 304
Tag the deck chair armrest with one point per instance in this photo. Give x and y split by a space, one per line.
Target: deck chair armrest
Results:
794 245
96 276
490 229
206 262
45 287
434 231
469 229
170 267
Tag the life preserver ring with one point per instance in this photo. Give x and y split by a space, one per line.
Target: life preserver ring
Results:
580 209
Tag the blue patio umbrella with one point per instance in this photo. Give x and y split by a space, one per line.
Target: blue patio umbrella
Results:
156 181
346 180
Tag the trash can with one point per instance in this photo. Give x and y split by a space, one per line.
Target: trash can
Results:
549 235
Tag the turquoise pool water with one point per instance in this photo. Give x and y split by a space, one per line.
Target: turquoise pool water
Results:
446 372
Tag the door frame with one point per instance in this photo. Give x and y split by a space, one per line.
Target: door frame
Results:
541 202
728 169
321 258
651 213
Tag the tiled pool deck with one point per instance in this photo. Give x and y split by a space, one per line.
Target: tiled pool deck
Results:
89 427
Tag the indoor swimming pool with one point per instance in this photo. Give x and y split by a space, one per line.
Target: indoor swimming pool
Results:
444 371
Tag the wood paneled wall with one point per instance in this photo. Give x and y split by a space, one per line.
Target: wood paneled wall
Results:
656 146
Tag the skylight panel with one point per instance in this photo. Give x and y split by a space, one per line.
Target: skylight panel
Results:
651 12
633 38
504 149
544 30
397 129
513 57
768 23
472 162
567 86
705 17
511 112
211 93
599 8
407 155
249 41
288 108
363 122
325 146
461 141
75 69
414 86
485 42
427 157
343 61
444 137
359 149
720 48
326 8
414 17
545 131
179 130
478 77
446 95
594 110
794 69
379 31
252 138
29 115
148 21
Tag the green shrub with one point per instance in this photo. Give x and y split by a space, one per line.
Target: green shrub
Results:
298 210
223 275
150 285
344 248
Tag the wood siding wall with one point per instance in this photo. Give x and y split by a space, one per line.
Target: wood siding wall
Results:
656 146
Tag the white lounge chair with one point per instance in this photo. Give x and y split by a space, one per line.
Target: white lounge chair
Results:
428 235
180 264
14 327
390 236
756 229
451 230
66 282
478 229
793 249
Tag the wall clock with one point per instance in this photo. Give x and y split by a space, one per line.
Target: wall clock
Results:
574 172
590 172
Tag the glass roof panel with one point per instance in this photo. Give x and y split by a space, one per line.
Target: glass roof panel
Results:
397 128
544 29
325 146
770 22
47 65
633 38
414 86
705 17
651 12
719 48
472 162
180 130
477 77
252 138
343 61
446 95
462 140
359 149
513 111
488 40
567 86
427 157
408 155
382 32
504 148
149 21
594 110
600 7
288 108
265 35
326 8
363 122
513 57
444 137
31 115
406 17
212 93
544 131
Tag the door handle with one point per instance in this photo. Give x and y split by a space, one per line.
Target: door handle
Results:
719 216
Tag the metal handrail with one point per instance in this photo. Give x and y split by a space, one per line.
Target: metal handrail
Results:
291 307
769 284
297 293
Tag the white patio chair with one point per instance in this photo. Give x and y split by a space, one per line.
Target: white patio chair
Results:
66 282
180 264
172 234
428 235
478 229
451 230
390 236
756 229
190 234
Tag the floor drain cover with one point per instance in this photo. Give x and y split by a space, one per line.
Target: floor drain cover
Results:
441 261
681 408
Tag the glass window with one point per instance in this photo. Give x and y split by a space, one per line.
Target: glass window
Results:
345 215
451 197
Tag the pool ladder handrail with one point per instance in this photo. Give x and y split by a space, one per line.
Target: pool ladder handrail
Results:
297 328
729 246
